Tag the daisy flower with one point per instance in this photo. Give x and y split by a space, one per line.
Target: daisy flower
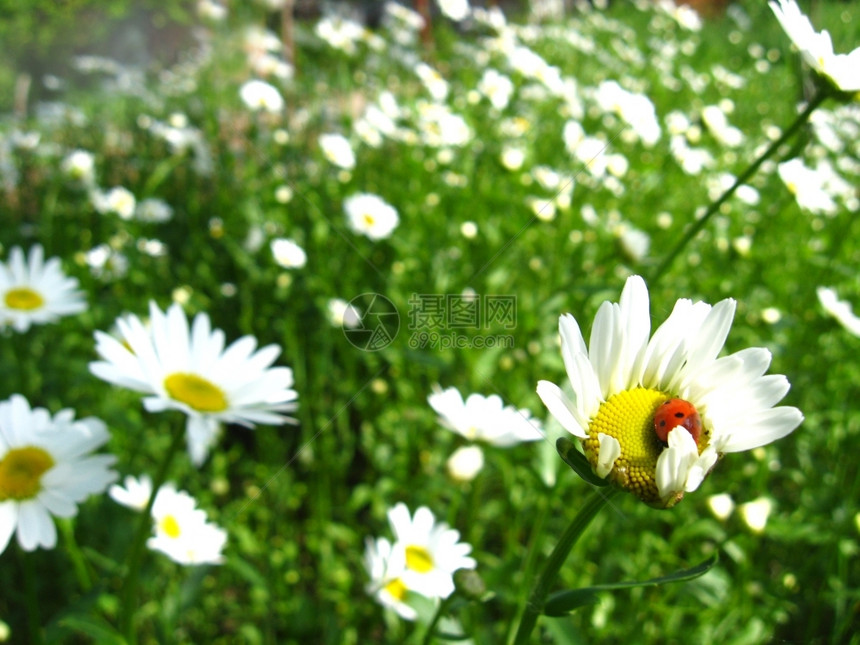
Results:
35 291
385 567
46 469
654 415
259 95
181 530
841 310
288 254
337 150
135 494
431 551
816 48
370 215
484 418
189 370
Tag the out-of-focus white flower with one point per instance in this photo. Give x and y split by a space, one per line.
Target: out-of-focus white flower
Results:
465 463
756 513
370 215
721 505
181 530
808 187
288 254
718 125
839 309
46 469
33 291
80 165
153 209
261 96
343 314
337 150
117 200
496 87
136 493
456 10
484 418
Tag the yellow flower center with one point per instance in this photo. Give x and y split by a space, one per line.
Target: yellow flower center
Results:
368 219
628 416
169 525
419 559
195 392
397 589
24 299
21 471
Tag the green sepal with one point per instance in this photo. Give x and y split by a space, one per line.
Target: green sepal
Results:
563 602
578 462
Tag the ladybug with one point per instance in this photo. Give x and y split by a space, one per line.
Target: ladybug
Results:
677 412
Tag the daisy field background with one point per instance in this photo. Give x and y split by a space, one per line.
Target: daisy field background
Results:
183 155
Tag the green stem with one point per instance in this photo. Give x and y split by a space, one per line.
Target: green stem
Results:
700 223
33 622
144 527
431 628
537 598
79 564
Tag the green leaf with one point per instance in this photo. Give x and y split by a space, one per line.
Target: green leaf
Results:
576 460
563 602
97 629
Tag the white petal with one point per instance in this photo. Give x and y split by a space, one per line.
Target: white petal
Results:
560 407
610 450
675 462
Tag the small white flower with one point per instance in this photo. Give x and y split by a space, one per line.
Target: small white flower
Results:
343 314
465 463
370 215
261 96
456 10
80 165
484 418
288 254
431 551
385 567
337 150
136 493
117 200
721 505
35 291
755 513
839 309
153 210
181 530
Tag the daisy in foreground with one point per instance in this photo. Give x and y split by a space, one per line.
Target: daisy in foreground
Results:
190 370
654 415
46 469
33 291
816 48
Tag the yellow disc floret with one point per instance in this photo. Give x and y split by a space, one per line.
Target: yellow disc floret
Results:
23 299
21 471
629 417
419 559
196 392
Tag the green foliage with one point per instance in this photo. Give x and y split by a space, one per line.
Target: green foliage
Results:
299 502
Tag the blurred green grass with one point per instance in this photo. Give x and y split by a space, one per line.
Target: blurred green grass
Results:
299 502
